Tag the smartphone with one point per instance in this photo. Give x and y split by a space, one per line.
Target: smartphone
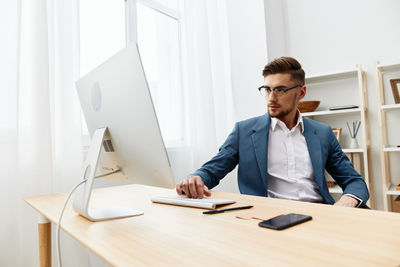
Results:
284 221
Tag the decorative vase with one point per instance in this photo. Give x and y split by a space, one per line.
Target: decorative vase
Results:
353 143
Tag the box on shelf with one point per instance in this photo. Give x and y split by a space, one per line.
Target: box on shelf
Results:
396 204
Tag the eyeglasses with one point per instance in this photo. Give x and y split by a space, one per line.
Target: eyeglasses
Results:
278 91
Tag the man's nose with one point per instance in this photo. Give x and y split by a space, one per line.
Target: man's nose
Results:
271 96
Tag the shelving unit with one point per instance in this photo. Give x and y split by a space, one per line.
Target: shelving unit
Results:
389 107
331 76
384 91
335 190
391 149
352 150
392 191
351 83
331 112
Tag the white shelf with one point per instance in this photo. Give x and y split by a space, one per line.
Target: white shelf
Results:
391 149
389 67
348 78
336 190
392 191
331 112
381 71
331 76
353 150
389 107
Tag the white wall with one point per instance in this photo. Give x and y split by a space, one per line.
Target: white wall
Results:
328 36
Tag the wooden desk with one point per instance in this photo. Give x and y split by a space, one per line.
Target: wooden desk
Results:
172 235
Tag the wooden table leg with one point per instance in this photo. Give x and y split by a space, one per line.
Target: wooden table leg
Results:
44 228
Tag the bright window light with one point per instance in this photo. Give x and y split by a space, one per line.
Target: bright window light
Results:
102 34
158 39
171 4
102 31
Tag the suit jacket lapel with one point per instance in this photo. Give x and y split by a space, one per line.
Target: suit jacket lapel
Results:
260 142
314 150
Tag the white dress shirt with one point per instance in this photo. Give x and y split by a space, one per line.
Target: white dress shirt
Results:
290 171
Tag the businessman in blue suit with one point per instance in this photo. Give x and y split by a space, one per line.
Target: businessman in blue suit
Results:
281 154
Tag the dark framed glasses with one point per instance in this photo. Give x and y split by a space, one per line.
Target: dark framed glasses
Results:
278 91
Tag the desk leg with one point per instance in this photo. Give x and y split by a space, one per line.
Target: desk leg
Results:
44 228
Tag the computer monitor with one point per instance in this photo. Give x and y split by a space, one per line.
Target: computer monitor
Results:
126 140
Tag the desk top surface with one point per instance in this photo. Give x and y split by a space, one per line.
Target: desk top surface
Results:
173 235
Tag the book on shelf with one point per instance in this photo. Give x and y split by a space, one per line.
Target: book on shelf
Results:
343 107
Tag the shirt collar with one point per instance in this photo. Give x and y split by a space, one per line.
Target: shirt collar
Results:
275 121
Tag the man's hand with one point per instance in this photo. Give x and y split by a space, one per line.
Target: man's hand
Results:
193 187
347 201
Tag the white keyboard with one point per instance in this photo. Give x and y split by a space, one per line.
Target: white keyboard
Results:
207 203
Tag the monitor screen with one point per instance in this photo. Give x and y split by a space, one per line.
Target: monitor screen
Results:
116 95
126 140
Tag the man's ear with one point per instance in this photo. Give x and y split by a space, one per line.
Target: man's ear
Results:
303 91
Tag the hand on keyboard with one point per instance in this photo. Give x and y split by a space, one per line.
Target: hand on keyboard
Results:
193 187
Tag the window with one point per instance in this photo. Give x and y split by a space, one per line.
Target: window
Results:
103 31
159 45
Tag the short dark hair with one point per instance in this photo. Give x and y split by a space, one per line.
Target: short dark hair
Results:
285 65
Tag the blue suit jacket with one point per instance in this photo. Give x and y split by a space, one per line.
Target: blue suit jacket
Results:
247 146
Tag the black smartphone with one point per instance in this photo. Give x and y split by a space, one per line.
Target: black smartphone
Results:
284 221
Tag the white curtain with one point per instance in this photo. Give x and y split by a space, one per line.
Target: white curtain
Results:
209 99
40 127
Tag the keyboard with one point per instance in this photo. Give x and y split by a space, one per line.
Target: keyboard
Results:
206 203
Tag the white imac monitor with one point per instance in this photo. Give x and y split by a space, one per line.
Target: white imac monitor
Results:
126 140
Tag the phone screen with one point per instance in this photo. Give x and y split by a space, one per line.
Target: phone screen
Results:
284 221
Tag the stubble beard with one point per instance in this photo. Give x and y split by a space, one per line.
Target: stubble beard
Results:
282 113
279 114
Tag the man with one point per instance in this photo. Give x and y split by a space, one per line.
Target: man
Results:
281 154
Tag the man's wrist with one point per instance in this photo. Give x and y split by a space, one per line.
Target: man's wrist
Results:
357 201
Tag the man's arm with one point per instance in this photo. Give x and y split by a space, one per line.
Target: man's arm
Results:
214 170
355 191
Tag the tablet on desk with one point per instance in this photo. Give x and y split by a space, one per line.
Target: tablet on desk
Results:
205 203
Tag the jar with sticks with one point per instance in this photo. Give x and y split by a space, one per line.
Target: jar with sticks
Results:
353 131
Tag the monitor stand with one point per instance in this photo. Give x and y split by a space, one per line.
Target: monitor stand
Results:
83 193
